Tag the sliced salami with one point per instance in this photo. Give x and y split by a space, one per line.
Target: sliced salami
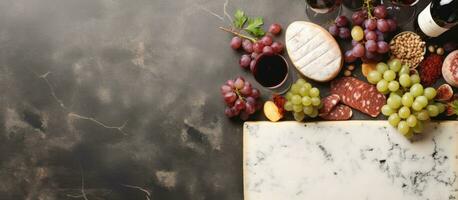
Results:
329 103
340 112
359 95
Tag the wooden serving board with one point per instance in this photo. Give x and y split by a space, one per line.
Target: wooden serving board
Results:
354 160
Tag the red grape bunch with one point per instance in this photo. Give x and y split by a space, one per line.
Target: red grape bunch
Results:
370 43
241 98
254 47
340 28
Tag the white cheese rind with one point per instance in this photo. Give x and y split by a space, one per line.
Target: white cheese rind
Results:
313 51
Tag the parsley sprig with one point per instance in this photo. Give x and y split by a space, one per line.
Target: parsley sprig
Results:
242 22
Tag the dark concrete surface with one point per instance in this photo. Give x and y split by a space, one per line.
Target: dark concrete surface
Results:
119 99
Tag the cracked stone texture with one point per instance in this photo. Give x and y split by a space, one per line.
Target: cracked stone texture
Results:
111 99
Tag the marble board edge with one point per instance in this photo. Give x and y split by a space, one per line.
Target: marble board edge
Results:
350 122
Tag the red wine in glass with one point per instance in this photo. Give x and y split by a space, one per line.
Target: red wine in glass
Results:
322 11
323 6
272 72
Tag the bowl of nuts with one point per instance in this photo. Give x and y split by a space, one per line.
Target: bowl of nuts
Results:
408 47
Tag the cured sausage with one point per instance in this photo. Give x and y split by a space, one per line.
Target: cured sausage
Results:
340 112
329 103
359 95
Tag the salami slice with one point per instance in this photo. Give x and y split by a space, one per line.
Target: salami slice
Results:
340 112
329 103
359 95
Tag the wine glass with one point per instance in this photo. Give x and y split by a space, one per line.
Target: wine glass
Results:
402 11
322 11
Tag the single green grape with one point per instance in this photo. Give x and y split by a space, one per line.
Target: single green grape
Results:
382 86
416 106
409 134
407 99
418 128
297 108
433 110
303 91
411 120
387 110
405 81
403 127
404 112
422 100
395 65
381 67
423 115
314 113
295 88
441 107
301 81
394 119
288 106
308 110
404 70
306 101
316 101
374 76
393 86
389 75
415 78
289 96
296 100
416 89
314 92
430 93
299 116
308 86
394 101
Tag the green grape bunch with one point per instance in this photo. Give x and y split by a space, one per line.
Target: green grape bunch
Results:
409 104
302 99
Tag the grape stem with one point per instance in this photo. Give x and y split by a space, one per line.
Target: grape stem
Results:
368 5
237 91
238 34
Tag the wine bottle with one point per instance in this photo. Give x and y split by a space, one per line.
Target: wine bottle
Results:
438 17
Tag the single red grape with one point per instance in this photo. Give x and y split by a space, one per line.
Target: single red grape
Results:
371 35
252 65
229 98
277 47
393 25
245 61
255 93
358 18
266 40
247 46
358 51
275 29
344 33
258 46
371 46
383 47
341 21
349 58
383 26
370 24
334 30
268 50
236 43
380 12
225 89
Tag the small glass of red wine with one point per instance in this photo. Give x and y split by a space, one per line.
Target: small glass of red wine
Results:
322 11
272 72
403 11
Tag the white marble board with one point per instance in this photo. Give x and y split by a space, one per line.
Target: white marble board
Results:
348 160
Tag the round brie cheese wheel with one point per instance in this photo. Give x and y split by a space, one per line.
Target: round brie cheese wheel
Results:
313 51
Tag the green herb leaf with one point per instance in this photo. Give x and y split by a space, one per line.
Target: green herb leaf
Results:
254 26
239 18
